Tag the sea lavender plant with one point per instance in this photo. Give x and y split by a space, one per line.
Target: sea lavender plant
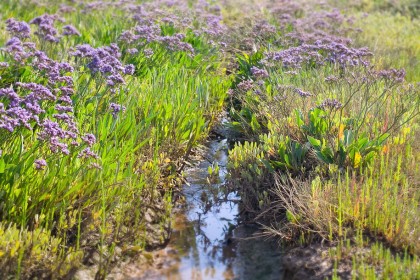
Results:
302 93
259 73
332 104
46 30
28 105
40 164
106 61
70 30
245 85
19 29
116 109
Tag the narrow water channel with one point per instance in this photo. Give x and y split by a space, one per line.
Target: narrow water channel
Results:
207 242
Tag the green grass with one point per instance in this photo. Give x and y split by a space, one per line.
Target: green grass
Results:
342 174
347 175
52 218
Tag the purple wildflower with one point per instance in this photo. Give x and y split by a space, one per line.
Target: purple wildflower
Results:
132 51
128 37
245 85
259 73
302 93
57 146
148 53
61 108
129 69
40 164
106 61
95 165
88 153
396 75
46 29
332 104
89 139
70 30
19 29
51 129
116 108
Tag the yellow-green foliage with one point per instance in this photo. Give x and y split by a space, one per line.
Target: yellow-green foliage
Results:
395 40
33 252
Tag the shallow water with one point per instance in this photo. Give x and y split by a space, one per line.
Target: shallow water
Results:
207 242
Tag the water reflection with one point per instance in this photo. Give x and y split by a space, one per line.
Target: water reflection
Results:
206 242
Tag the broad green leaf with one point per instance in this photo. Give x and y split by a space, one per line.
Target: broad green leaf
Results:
314 142
2 165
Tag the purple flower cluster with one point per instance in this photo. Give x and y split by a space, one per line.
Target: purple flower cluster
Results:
24 105
245 85
394 75
302 93
69 30
18 50
150 33
40 164
259 73
16 111
46 30
181 15
65 9
21 110
332 104
263 29
116 109
132 51
88 153
89 139
27 54
147 32
214 26
148 53
105 60
128 37
175 43
319 54
54 70
149 17
19 29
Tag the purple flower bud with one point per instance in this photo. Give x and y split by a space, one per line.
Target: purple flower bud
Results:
245 85
132 51
40 164
95 165
69 30
129 69
88 153
89 139
259 73
61 108
116 108
302 93
332 104
46 30
148 53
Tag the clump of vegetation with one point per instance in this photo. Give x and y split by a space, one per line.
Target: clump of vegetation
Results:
102 102
327 145
97 116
